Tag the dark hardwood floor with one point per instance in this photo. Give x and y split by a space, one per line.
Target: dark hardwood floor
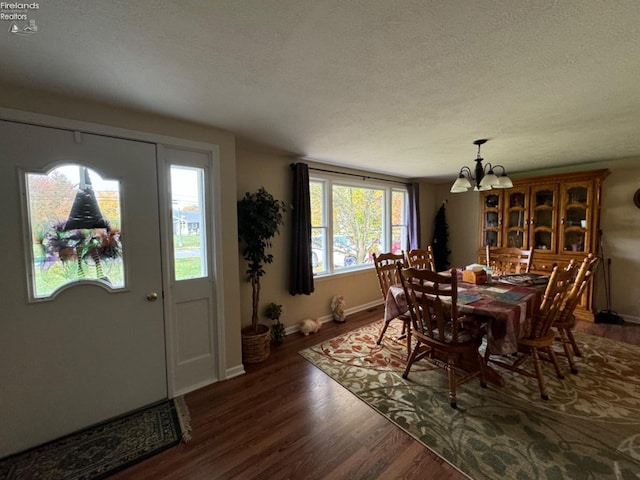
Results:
285 419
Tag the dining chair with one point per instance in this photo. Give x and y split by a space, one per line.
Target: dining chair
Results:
539 336
421 258
508 260
566 320
387 271
440 332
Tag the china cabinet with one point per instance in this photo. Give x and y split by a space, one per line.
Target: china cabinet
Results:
557 216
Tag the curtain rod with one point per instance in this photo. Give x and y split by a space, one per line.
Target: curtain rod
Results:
364 177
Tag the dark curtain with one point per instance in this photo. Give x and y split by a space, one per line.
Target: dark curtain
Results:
413 217
301 275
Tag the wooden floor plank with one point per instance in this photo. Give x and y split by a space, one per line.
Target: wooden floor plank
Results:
287 419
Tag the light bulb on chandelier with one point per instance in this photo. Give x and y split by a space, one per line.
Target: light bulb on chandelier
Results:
483 176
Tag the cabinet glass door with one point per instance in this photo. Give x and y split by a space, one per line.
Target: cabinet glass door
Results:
576 215
516 217
491 218
543 217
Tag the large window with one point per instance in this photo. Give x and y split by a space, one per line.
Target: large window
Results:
352 220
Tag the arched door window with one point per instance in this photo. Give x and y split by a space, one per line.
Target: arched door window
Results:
74 218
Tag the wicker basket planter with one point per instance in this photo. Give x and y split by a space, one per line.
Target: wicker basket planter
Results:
255 347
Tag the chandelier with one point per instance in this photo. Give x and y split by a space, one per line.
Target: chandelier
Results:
484 178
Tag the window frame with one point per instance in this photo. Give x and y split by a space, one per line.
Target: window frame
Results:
328 181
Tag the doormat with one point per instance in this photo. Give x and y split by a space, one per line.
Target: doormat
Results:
99 451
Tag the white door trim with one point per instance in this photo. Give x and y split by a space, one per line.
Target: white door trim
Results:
44 120
213 150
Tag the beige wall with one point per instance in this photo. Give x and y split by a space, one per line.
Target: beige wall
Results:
462 218
259 166
429 205
72 108
621 237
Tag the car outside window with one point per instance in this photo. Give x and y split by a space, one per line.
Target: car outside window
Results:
353 220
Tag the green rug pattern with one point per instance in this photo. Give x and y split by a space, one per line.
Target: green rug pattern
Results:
589 429
101 450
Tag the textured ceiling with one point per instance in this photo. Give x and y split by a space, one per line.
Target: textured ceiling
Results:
399 87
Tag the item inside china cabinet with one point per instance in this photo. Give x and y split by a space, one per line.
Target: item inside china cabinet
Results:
517 200
492 201
577 195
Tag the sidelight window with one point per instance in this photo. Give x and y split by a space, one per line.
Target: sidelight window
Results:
188 222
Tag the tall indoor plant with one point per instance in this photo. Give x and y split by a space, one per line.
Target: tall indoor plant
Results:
259 218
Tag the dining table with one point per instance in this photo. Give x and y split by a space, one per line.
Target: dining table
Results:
505 307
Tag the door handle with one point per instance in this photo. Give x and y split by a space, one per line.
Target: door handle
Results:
152 297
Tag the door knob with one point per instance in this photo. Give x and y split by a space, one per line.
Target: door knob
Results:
152 297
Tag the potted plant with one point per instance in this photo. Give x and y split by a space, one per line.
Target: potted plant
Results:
259 218
274 311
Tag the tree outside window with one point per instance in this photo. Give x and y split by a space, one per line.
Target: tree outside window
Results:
365 218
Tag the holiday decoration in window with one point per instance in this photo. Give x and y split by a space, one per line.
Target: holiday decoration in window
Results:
75 228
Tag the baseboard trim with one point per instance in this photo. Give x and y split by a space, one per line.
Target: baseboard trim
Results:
234 371
329 318
239 369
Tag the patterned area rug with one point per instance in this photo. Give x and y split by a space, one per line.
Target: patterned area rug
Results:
101 450
589 429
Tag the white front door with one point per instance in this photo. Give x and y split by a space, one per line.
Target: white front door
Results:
89 353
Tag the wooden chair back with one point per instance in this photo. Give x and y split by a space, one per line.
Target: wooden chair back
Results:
387 271
566 319
503 261
540 337
387 268
440 334
583 277
432 300
421 258
559 284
